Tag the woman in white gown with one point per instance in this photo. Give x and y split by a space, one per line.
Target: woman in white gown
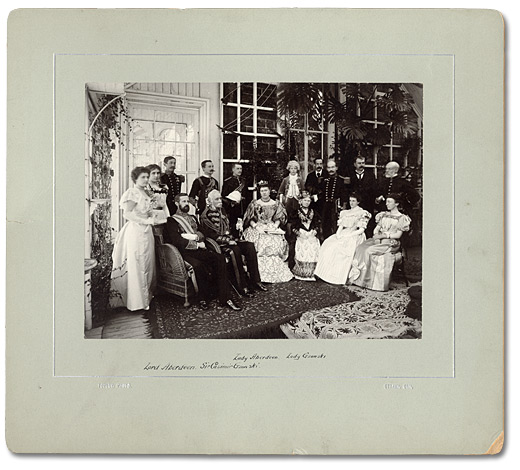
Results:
263 219
336 253
133 271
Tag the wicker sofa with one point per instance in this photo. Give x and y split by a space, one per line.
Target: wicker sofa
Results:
173 273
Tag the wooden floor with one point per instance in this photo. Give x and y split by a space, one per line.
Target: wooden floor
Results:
123 325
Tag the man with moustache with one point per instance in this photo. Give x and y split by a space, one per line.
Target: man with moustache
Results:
364 183
210 267
203 185
233 194
333 194
215 224
393 184
173 181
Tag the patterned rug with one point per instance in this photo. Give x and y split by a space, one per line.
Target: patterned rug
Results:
377 315
260 316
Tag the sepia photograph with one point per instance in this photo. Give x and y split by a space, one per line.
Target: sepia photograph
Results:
253 210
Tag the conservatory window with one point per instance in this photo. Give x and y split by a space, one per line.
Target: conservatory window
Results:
248 122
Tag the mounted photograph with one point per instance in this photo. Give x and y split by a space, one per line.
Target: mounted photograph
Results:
253 210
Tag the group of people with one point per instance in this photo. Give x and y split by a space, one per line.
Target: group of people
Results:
305 232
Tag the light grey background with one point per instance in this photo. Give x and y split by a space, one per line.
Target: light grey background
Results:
436 416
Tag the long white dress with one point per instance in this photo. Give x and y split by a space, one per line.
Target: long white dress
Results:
336 253
133 272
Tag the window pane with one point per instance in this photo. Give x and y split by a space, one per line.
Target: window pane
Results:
230 118
246 93
165 132
246 119
266 95
315 146
267 146
246 147
383 157
165 149
266 122
230 93
142 130
230 146
369 155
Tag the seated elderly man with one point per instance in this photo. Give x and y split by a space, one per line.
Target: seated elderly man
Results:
215 224
184 232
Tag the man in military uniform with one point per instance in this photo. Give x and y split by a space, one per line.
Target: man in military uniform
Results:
333 196
173 181
215 224
203 185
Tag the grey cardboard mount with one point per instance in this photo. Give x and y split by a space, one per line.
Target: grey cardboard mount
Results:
442 394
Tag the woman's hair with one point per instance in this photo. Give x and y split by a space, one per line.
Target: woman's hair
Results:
153 167
397 198
138 171
356 195
262 184
305 194
293 163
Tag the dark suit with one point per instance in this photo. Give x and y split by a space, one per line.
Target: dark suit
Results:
313 185
210 267
402 188
365 185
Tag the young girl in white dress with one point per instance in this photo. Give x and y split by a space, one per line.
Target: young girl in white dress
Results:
133 271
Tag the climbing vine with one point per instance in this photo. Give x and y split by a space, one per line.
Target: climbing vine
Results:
108 127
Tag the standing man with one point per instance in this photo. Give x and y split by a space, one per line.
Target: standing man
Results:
313 181
364 183
203 185
173 181
210 267
392 183
333 196
214 224
233 193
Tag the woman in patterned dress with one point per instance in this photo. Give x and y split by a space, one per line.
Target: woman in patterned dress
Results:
133 271
337 251
306 227
374 259
263 221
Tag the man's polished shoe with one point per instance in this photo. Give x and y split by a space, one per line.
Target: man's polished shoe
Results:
261 287
232 305
203 305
